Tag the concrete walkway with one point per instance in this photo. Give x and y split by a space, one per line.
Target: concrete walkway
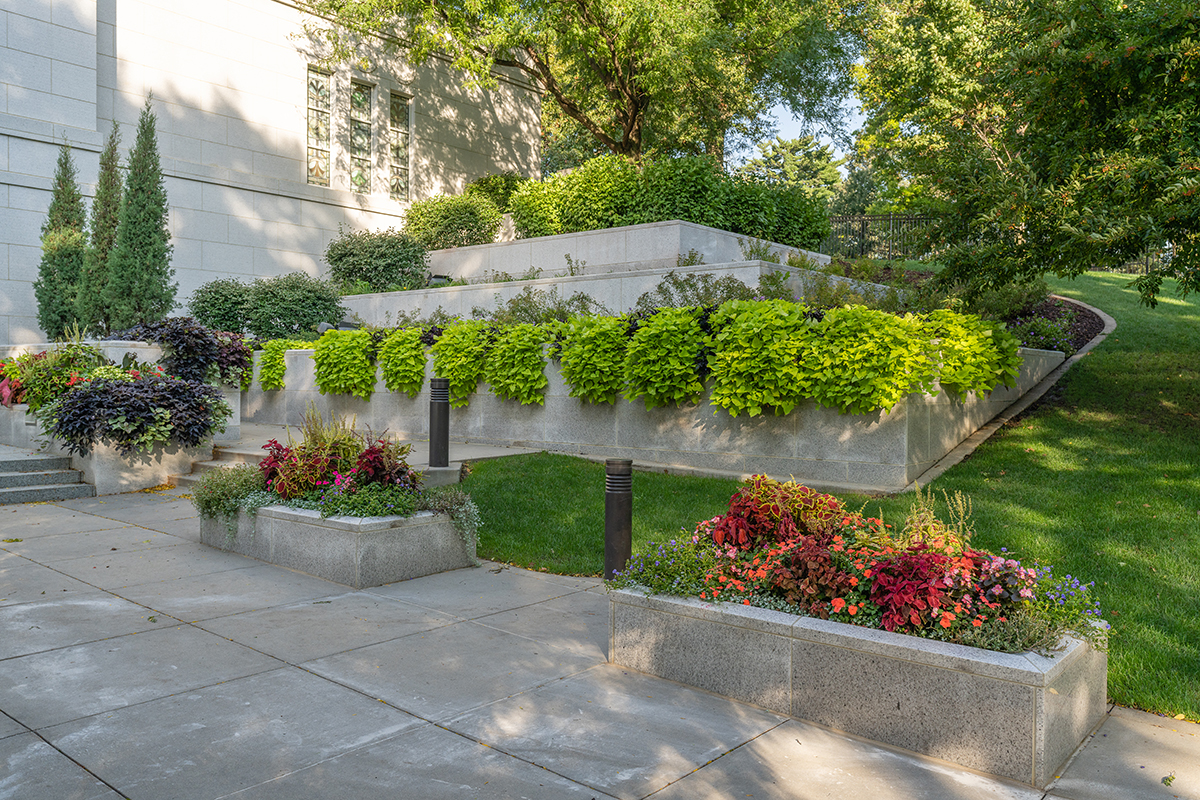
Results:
135 662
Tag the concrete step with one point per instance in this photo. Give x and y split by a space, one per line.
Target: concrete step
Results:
9 480
239 454
34 463
46 494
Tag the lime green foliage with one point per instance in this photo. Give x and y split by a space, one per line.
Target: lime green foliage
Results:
754 362
90 307
452 221
497 187
858 360
64 253
976 354
516 364
386 261
344 363
271 365
460 355
660 364
139 287
402 360
593 358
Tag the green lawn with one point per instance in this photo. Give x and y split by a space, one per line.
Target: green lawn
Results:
1104 485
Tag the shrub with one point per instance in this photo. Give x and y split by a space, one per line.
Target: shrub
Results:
750 208
539 307
222 305
704 289
691 189
497 187
459 221
190 350
534 208
384 260
64 253
800 221
1007 302
135 416
604 192
292 304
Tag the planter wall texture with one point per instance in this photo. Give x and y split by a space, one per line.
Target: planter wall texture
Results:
104 467
818 446
357 552
1019 716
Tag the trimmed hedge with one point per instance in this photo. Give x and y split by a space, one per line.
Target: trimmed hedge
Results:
458 221
386 261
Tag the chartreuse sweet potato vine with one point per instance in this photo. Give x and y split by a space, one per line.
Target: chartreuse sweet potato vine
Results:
593 358
460 356
345 363
271 366
976 354
515 367
661 362
754 363
402 361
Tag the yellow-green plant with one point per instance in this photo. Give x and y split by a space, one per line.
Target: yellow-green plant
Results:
459 356
593 358
345 363
402 361
660 364
755 351
515 366
271 366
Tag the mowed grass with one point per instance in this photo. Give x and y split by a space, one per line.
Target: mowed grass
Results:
1103 484
546 511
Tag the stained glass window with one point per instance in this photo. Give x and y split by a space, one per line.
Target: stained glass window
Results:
360 137
318 127
398 130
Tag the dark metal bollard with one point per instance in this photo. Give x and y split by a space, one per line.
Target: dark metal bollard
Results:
618 515
439 422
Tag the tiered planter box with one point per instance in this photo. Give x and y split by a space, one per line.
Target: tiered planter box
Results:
1019 716
358 552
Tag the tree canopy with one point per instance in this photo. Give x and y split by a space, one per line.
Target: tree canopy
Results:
800 163
1058 136
640 76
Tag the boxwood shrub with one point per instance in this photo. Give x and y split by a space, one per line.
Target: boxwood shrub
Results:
453 221
385 261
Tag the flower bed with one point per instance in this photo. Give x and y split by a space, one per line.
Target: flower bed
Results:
906 635
356 551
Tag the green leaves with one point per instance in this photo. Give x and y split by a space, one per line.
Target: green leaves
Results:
402 359
271 365
593 358
516 366
661 362
345 364
459 356
755 356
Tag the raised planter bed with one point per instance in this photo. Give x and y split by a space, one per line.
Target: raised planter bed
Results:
1018 716
359 552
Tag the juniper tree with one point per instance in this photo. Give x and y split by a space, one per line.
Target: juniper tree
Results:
139 287
90 306
63 247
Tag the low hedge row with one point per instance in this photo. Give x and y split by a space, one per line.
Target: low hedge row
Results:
761 356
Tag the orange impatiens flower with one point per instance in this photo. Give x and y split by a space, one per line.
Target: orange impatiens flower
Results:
852 609
838 604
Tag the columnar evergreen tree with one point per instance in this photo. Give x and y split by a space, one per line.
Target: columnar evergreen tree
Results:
63 248
139 287
90 306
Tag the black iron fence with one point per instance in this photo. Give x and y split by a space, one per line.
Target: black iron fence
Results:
877 236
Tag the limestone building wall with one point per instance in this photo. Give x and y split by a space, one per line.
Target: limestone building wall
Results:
230 83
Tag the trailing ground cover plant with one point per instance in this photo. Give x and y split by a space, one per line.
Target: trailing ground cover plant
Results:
402 361
976 354
662 360
344 363
516 363
785 546
592 353
460 355
271 364
755 362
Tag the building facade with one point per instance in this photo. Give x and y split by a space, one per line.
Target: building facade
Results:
266 151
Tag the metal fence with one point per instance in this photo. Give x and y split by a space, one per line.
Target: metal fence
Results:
877 236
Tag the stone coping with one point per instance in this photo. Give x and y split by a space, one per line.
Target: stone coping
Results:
341 523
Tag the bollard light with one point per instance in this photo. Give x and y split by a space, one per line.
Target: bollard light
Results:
618 515
439 422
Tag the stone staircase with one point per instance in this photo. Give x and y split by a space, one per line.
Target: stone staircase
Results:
223 456
32 478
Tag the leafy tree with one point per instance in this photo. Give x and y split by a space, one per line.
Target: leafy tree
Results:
139 285
63 247
640 76
91 308
799 163
1058 136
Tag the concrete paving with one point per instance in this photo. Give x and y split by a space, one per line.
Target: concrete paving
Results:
137 663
